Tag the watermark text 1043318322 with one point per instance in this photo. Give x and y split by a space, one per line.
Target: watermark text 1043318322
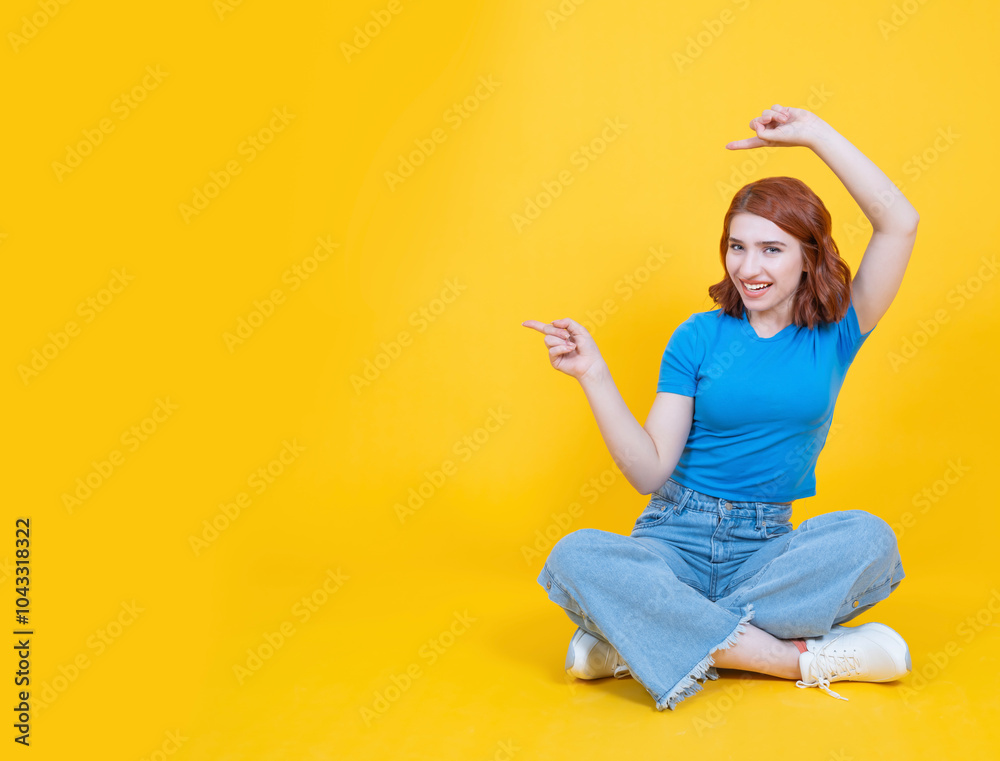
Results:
22 630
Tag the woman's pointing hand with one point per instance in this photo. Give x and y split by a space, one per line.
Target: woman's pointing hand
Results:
572 350
782 125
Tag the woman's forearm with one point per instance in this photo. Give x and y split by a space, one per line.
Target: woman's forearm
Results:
881 201
630 446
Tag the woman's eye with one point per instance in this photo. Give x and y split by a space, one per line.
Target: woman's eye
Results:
775 249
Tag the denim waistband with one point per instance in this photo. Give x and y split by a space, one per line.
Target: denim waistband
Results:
689 499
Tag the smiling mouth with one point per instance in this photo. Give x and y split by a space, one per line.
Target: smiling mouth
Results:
754 288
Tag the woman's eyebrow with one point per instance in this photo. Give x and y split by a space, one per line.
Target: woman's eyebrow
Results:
760 242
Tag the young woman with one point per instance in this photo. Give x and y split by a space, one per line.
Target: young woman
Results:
713 575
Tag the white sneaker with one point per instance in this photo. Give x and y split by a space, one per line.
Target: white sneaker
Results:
591 658
871 652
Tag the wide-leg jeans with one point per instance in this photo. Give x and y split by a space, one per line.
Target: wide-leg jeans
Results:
697 568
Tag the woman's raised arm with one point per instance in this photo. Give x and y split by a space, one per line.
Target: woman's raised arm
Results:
894 220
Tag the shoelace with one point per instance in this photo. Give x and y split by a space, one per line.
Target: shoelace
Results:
621 671
823 684
831 664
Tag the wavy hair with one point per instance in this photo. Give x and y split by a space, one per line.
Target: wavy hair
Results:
824 293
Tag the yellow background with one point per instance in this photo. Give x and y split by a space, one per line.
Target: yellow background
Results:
684 79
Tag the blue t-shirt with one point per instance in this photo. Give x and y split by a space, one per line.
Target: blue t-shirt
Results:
762 406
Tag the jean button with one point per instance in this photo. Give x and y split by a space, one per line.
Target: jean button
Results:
855 604
548 585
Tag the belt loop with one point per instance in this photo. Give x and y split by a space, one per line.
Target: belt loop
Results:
683 500
760 516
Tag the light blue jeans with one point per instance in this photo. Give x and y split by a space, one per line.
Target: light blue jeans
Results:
697 568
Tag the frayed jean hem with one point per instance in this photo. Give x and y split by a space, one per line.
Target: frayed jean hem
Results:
692 683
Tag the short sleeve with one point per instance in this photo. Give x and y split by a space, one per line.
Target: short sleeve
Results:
679 366
850 338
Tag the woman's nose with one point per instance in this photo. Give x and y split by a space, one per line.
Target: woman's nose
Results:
749 267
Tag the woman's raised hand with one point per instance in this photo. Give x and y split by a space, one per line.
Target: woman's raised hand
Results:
782 125
572 350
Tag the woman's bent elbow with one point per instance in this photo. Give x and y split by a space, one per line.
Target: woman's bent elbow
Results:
649 484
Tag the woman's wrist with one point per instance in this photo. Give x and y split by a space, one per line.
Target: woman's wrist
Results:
821 135
596 375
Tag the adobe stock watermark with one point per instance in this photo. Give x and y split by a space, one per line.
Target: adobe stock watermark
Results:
294 277
915 167
721 361
420 318
454 116
97 644
929 496
260 480
33 24
122 107
590 491
172 743
223 8
901 13
918 163
363 35
717 706
463 449
840 755
956 298
131 439
505 750
87 310
581 159
937 661
796 459
626 287
740 174
302 611
703 39
561 13
248 150
429 653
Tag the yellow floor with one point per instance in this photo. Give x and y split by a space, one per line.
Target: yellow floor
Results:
470 667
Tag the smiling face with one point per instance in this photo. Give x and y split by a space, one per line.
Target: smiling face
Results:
765 264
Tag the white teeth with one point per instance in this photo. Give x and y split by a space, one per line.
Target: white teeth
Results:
756 287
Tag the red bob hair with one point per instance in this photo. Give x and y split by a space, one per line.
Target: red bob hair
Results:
824 292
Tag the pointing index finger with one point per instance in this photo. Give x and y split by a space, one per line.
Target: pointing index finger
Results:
750 142
547 328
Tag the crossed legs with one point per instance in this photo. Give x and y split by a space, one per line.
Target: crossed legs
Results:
830 569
